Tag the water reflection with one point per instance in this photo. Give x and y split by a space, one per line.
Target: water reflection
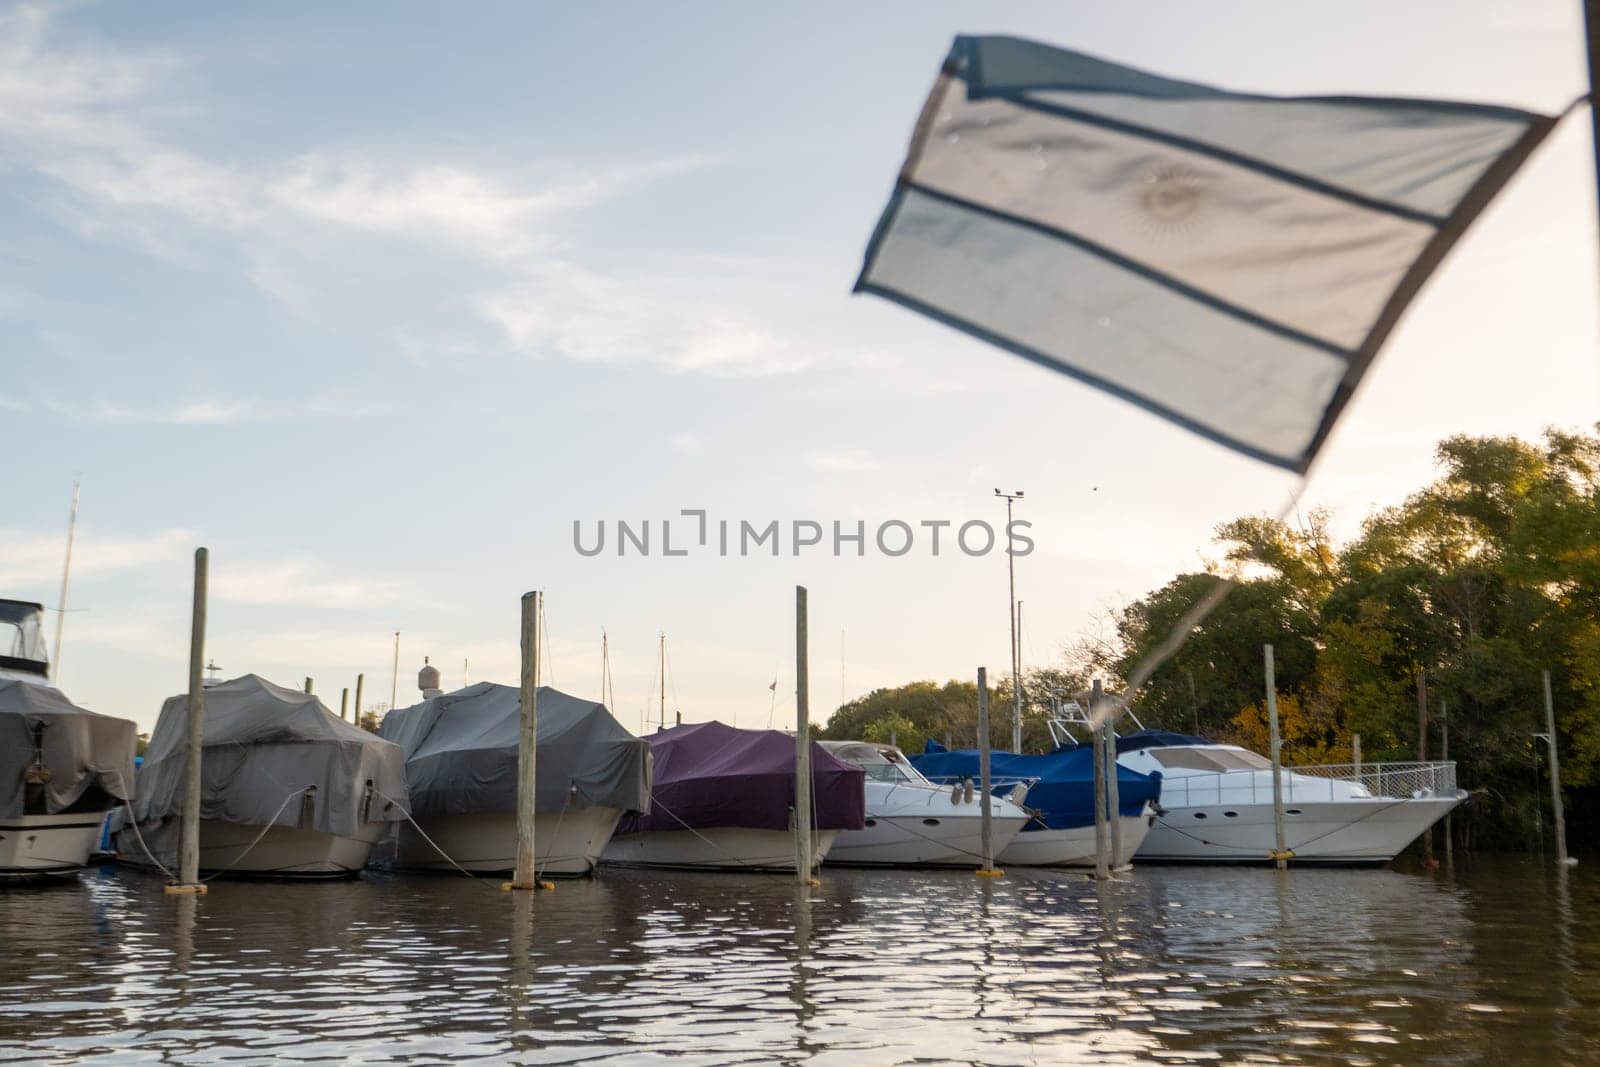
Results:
1160 965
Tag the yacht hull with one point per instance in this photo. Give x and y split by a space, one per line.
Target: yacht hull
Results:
714 848
282 852
923 839
564 843
1073 847
33 845
1353 832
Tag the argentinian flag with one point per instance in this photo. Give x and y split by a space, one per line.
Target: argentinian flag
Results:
1231 262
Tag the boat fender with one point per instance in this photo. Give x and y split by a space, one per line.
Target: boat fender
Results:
966 791
955 792
1286 854
308 807
366 802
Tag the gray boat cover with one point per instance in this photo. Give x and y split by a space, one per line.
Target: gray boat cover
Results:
461 753
262 743
79 747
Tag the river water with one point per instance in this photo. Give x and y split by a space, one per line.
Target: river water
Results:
1499 963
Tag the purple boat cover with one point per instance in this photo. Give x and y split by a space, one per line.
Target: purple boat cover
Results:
711 774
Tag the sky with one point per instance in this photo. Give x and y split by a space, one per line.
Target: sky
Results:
376 300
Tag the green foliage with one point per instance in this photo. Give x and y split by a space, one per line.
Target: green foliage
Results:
913 713
1479 581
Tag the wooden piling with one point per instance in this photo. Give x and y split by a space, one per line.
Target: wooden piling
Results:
1444 755
1280 852
1102 828
1422 755
985 781
308 683
524 876
361 680
1113 790
802 741
1555 775
344 703
189 820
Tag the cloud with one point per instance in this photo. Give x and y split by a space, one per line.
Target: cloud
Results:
565 310
296 582
854 461
78 114
31 559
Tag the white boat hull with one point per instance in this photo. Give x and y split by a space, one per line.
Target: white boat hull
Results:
48 844
923 840
283 851
714 848
567 843
1073 847
1357 831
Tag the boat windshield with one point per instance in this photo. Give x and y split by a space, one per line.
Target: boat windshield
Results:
883 763
1214 760
22 631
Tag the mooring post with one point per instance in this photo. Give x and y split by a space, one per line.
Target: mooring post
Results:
802 742
1555 775
361 680
1422 755
524 877
1280 848
1113 790
344 703
1444 756
1355 756
1102 828
189 820
986 838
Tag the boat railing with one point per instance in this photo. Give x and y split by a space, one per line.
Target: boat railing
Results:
1312 782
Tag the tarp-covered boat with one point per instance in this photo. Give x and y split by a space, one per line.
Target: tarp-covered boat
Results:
287 787
61 766
1060 794
461 762
724 797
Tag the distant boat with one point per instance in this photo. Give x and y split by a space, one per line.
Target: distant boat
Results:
288 789
61 766
461 762
1216 803
1059 796
911 822
722 797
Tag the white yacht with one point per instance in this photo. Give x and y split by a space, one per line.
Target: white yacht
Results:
62 767
913 823
1216 803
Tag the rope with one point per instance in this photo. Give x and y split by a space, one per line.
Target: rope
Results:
270 823
401 808
134 822
737 862
559 819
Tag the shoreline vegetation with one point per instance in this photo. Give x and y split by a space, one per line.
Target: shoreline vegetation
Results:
1478 581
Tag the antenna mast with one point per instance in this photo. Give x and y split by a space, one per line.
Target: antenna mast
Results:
66 572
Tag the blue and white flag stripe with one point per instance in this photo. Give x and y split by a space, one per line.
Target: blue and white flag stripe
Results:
1230 262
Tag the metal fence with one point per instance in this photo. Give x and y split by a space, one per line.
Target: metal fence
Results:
1312 783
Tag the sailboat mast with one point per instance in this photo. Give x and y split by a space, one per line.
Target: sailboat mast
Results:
66 572
663 681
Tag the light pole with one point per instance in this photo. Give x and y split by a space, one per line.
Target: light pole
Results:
1011 612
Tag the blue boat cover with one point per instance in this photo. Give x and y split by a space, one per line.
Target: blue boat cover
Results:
1063 781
